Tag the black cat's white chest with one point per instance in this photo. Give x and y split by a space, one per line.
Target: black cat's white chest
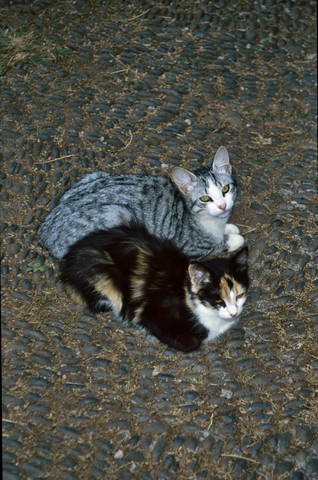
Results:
212 321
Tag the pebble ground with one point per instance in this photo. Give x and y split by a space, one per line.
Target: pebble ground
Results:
138 86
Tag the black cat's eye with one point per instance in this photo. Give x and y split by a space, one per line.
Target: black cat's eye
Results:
226 188
240 295
220 303
205 199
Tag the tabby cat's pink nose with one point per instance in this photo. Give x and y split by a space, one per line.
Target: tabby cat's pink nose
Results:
222 206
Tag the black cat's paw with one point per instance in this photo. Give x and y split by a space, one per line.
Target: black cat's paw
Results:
101 305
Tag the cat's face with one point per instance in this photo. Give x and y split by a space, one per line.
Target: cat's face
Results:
213 196
232 296
220 285
210 191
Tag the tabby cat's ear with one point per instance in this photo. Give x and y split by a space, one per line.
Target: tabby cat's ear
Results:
198 274
183 179
221 162
240 259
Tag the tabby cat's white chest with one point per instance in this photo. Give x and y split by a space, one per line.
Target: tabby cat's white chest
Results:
213 225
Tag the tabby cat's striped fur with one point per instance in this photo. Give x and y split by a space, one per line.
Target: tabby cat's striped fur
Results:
190 208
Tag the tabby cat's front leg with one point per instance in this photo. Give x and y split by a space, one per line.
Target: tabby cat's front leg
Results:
233 238
230 228
234 241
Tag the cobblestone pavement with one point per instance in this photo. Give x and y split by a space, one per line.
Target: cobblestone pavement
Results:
138 86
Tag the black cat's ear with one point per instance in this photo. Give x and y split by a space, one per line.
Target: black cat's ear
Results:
221 162
240 260
198 275
183 179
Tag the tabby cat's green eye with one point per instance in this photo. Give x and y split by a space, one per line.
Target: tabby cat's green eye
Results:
226 188
205 199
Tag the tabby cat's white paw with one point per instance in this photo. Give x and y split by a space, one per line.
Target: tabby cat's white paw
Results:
234 242
230 228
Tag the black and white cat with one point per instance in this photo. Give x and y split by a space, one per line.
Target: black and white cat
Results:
151 284
192 209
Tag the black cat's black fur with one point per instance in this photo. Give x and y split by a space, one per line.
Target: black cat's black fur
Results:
152 284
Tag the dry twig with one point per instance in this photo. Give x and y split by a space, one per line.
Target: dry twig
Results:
59 158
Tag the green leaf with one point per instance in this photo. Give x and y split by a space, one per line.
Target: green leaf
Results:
33 267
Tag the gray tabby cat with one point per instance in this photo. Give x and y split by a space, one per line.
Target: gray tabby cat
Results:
192 209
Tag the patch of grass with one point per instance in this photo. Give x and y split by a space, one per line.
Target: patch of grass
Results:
33 267
18 48
263 41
